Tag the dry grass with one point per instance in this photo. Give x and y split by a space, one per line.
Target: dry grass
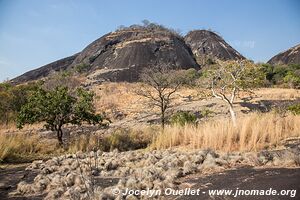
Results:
12 128
121 139
24 147
278 93
254 132
112 97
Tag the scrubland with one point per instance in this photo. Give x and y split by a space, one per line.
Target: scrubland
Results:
130 129
138 154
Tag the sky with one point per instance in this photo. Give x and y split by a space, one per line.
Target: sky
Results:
36 32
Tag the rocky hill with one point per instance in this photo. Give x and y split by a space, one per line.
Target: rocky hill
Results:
207 45
290 56
121 55
44 71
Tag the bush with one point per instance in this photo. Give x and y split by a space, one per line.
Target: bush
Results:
283 75
183 117
83 67
292 79
93 58
12 98
295 109
206 113
189 76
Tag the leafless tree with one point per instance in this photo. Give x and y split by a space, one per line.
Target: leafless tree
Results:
160 85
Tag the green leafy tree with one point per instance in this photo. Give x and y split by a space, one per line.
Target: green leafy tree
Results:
5 106
11 100
293 79
57 108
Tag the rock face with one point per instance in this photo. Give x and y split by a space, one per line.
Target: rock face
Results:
123 54
45 70
290 56
207 45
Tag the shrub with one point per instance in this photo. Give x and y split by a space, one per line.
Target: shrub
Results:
206 113
283 75
183 117
93 58
292 79
12 98
83 67
295 109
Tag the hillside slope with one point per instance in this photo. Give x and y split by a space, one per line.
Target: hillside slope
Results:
208 45
44 71
290 56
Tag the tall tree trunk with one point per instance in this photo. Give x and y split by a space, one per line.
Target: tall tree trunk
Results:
232 114
59 136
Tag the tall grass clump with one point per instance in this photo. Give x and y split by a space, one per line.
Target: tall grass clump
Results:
253 132
121 139
23 147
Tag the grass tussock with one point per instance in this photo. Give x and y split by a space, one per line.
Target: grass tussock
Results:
23 148
254 132
121 139
18 147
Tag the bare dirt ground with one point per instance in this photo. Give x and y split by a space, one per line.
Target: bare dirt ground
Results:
244 178
10 176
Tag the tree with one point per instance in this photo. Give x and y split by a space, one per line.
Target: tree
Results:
12 98
5 106
226 79
161 83
57 108
293 79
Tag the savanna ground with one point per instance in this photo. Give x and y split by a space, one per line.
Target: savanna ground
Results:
263 126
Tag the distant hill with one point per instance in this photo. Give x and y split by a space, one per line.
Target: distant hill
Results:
121 55
207 45
290 56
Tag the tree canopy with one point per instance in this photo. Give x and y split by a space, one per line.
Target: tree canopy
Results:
57 107
227 78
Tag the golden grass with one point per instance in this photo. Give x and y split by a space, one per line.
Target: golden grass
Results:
23 147
254 132
121 139
278 93
12 128
123 97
